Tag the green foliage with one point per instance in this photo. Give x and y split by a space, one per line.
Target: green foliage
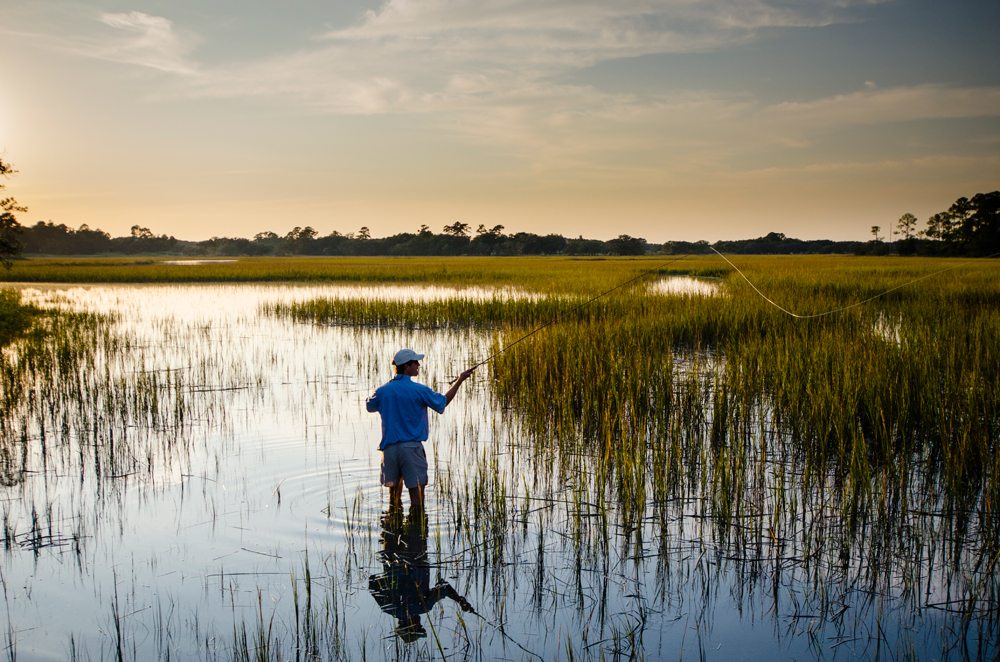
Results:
969 226
10 246
58 239
15 318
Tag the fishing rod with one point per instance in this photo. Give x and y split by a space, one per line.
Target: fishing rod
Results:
743 275
577 307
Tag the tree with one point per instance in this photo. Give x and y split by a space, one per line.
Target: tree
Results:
488 241
907 225
875 230
581 246
969 226
364 233
457 229
623 244
424 231
138 232
981 227
10 246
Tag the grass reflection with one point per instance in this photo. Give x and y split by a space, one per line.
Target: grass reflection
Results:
652 476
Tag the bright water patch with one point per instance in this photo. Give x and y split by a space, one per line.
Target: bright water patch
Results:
685 286
888 329
188 263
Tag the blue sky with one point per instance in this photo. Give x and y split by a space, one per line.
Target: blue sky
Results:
669 120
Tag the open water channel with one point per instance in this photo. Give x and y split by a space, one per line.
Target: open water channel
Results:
242 516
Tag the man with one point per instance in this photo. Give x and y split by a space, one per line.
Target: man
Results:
402 403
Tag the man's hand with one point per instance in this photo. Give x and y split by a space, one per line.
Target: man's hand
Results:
450 395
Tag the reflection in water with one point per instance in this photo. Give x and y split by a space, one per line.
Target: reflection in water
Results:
189 263
169 469
404 589
685 286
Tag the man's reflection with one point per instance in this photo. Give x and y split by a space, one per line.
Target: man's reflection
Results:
403 589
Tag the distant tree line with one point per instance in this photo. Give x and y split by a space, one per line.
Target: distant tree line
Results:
971 226
48 238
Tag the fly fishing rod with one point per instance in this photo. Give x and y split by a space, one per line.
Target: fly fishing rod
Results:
757 290
577 307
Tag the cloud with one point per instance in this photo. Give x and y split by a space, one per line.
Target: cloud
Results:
419 56
486 73
146 41
899 104
557 33
685 135
431 56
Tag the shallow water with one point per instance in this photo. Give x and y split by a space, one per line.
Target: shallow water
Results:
188 263
685 286
210 520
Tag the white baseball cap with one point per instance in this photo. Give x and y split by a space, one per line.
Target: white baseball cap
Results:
404 356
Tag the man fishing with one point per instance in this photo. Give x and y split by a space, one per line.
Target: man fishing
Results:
402 403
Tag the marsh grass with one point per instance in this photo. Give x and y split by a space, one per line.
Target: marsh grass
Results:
819 448
565 275
15 317
661 457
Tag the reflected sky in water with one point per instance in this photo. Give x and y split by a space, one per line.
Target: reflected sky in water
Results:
265 462
685 286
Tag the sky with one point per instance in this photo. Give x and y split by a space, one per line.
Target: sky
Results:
668 120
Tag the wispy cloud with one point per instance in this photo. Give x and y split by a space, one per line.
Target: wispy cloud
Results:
427 55
145 40
580 31
488 72
874 105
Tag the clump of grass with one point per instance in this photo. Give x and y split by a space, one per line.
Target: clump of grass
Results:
15 318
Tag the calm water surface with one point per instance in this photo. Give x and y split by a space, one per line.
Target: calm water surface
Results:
270 471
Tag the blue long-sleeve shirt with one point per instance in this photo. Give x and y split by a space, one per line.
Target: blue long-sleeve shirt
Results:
402 404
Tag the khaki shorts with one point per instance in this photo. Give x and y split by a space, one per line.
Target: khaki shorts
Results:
406 459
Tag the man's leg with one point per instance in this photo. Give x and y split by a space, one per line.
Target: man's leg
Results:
391 476
417 497
396 494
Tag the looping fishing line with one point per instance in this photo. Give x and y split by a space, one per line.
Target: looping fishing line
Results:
842 308
744 276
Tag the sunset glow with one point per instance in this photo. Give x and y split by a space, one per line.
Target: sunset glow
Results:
667 120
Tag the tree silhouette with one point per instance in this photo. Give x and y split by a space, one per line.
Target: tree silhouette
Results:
969 226
907 225
457 229
139 232
10 245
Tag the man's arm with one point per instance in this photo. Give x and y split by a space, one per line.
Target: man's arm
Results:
450 394
445 590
